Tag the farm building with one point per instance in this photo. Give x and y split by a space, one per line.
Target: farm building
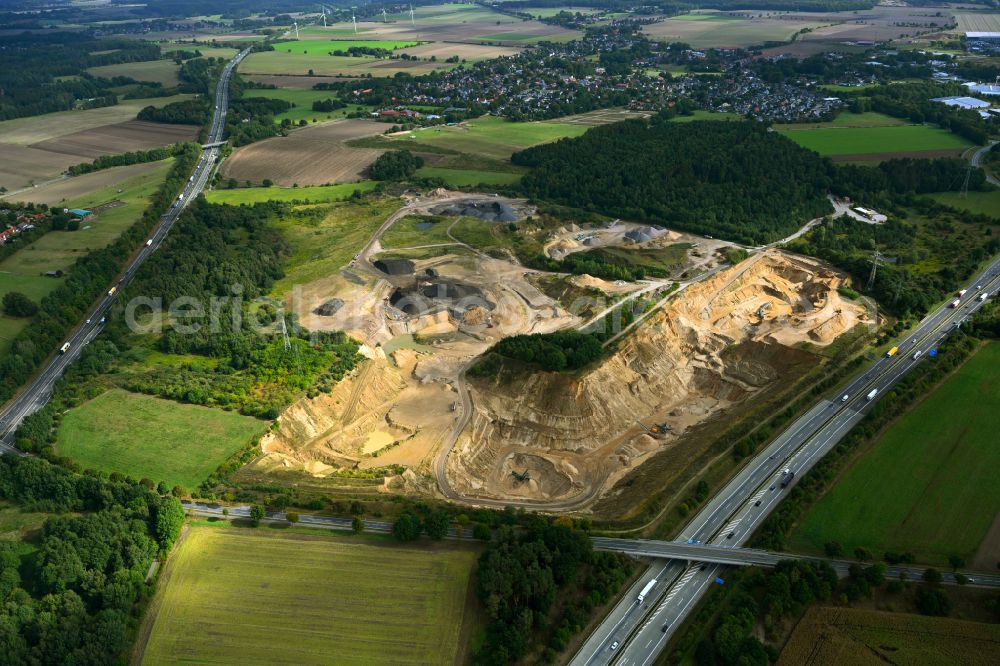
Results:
79 212
963 102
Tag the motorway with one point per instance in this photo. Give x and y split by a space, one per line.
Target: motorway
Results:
39 390
634 634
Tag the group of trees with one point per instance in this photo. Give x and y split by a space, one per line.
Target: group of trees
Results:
395 165
327 105
185 112
901 176
65 306
229 256
736 179
903 285
16 304
522 576
422 520
552 352
73 600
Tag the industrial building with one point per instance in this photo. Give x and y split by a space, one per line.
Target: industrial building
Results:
963 102
983 88
982 41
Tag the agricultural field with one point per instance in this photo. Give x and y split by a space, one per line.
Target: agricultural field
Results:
321 599
452 23
489 137
843 635
59 250
40 148
314 155
846 119
928 485
303 101
879 143
320 250
315 194
303 60
984 203
707 28
143 436
977 22
60 192
159 71
467 177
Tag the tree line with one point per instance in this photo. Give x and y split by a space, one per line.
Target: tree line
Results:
74 600
734 179
63 308
126 159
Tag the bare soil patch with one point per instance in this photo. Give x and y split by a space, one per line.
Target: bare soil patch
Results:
879 157
311 156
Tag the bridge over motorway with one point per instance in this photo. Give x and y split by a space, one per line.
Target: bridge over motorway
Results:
738 556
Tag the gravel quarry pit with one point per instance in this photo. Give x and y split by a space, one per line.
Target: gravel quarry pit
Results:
421 322
719 343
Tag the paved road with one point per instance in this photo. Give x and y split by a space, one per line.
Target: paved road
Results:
720 554
39 390
731 516
977 159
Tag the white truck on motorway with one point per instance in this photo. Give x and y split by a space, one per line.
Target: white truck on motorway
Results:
642 595
64 348
871 394
983 296
955 303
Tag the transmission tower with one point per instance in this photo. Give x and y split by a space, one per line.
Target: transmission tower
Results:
965 185
284 333
876 261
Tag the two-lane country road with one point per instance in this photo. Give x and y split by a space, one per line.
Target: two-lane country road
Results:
39 390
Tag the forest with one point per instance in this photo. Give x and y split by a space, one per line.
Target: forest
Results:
64 307
72 597
31 62
525 574
395 165
735 180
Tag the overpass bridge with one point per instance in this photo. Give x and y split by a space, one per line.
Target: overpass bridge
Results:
214 144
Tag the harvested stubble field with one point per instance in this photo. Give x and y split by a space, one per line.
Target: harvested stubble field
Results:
854 636
310 156
316 194
63 191
42 147
707 28
159 71
253 597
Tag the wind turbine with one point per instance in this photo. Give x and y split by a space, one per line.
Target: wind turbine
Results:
412 24
384 19
296 24
355 21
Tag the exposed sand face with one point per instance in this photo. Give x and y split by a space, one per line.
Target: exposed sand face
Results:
720 343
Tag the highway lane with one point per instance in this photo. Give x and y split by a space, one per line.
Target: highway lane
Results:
732 515
39 390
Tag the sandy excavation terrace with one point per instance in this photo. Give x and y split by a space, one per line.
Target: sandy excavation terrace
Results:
721 342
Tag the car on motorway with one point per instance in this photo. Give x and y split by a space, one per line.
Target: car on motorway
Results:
664 628
614 646
149 242
757 503
730 535
845 398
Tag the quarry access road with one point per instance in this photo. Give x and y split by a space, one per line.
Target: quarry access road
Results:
639 632
38 391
